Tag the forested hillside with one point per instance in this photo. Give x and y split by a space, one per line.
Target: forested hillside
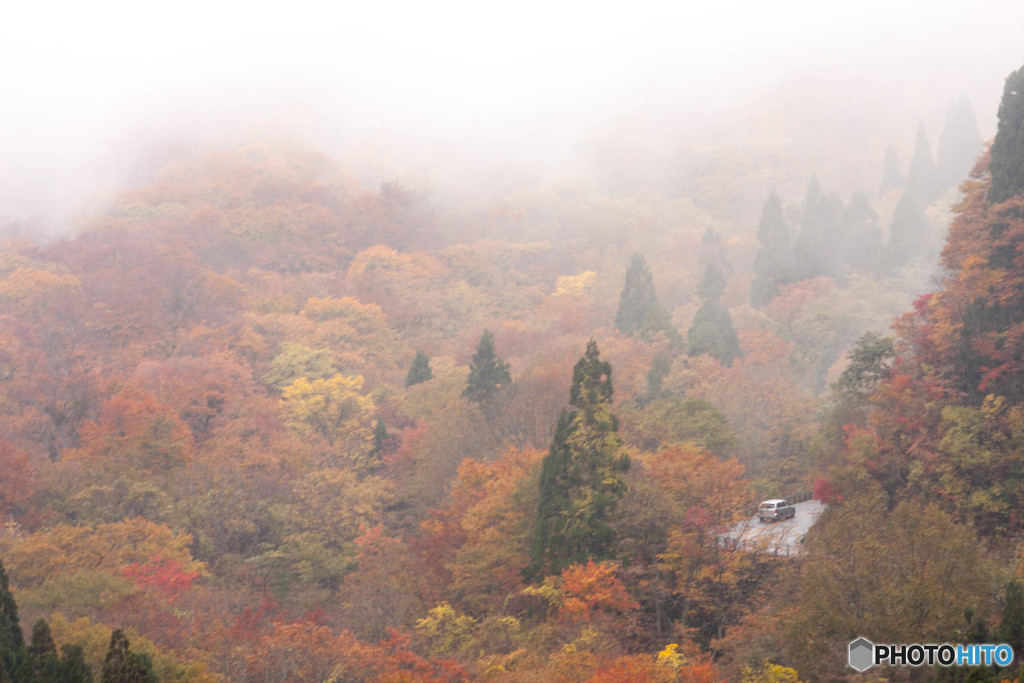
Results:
263 423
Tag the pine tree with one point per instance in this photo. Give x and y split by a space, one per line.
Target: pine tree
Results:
1011 626
773 265
580 482
818 244
12 641
661 364
420 370
1007 165
922 179
121 665
380 438
713 284
639 311
892 177
862 236
959 144
41 662
487 371
73 665
712 332
908 234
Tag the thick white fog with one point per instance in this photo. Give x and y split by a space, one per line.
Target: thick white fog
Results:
93 90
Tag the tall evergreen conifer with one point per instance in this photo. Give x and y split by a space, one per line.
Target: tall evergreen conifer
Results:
773 265
420 370
41 663
639 311
712 331
12 641
908 234
121 665
892 177
959 144
1007 165
487 371
922 179
862 236
1011 626
74 668
819 242
580 483
380 438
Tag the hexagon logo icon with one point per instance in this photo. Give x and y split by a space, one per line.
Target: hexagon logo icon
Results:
862 654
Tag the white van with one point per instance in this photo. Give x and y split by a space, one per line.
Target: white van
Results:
774 510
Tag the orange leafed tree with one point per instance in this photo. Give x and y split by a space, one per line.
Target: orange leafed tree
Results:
135 432
591 588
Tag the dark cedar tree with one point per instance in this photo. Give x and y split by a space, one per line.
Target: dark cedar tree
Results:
773 265
908 234
639 311
862 236
420 370
892 177
1007 165
580 482
712 331
1011 626
73 665
121 665
959 144
923 179
487 371
819 242
41 663
12 642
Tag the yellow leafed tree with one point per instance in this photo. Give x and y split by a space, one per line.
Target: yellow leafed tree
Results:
335 410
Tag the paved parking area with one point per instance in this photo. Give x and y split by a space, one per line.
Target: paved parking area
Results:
777 538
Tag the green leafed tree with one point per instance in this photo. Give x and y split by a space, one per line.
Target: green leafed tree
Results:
295 361
871 361
674 419
581 478
910 573
1007 165
712 332
487 371
420 371
337 411
661 365
639 311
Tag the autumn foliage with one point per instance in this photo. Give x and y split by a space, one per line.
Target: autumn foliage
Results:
268 424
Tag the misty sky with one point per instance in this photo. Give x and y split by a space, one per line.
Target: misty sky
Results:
89 85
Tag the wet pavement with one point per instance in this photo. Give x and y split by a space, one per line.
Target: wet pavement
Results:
777 538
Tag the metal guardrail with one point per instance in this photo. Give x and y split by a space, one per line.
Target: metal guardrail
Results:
800 497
